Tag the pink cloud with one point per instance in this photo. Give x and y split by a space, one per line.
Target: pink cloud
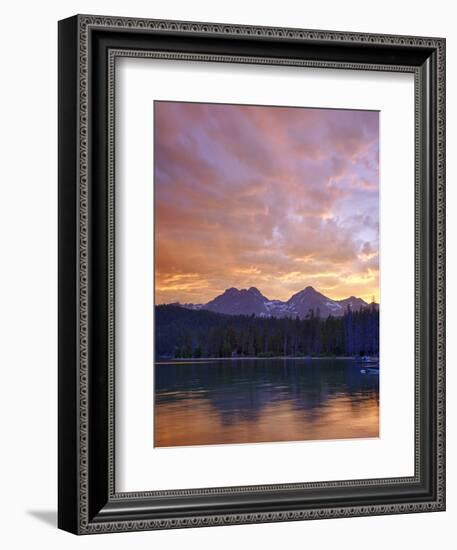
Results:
245 193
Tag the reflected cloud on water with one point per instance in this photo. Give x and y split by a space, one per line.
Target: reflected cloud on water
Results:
243 401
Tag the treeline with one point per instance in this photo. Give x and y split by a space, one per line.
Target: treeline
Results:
183 333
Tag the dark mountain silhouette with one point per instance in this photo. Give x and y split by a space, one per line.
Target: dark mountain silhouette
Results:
354 303
303 302
252 302
240 302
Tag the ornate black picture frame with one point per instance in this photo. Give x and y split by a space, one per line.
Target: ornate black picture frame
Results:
88 47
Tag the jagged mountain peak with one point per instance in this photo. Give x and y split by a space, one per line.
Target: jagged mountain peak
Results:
251 301
309 291
254 290
231 290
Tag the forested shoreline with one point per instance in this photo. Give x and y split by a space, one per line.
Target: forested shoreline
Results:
184 333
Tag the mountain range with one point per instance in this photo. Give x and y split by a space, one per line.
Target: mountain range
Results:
252 302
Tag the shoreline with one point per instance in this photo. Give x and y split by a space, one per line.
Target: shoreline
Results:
307 358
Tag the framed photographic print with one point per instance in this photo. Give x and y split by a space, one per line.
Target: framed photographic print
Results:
251 274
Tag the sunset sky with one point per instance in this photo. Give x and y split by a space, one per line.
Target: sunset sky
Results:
272 197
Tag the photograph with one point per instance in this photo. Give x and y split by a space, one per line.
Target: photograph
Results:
266 273
225 307
251 272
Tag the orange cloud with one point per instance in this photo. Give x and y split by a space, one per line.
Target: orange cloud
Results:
273 197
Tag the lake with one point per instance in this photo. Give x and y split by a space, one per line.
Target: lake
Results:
208 402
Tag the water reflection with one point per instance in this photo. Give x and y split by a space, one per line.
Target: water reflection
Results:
258 400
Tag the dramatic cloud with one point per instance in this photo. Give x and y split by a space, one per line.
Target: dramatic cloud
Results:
273 197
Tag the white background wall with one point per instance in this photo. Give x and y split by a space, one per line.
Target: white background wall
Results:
28 300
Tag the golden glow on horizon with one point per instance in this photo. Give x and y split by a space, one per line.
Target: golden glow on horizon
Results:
201 291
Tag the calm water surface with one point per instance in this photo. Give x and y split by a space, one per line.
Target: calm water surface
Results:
206 402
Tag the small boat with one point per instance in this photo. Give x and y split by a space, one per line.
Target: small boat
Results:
370 370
